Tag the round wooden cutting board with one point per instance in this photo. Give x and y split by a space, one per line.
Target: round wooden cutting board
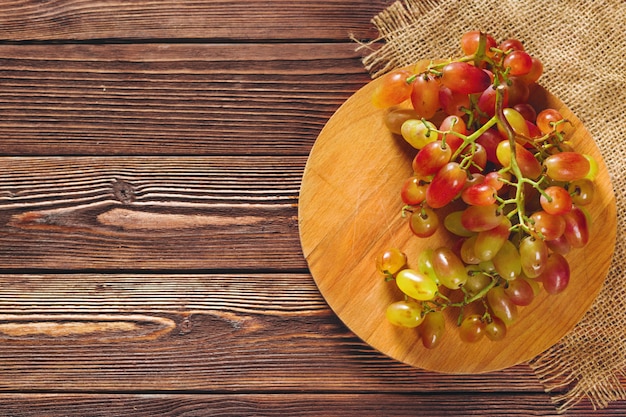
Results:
349 212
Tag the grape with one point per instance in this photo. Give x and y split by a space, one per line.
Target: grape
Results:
507 261
548 226
479 195
519 91
453 123
395 117
511 45
519 292
472 328
452 222
413 192
418 132
406 313
424 222
431 158
489 242
461 77
501 305
581 191
527 111
391 261
518 62
566 166
469 42
547 119
467 251
495 180
425 265
495 330
593 167
559 202
453 103
533 255
478 159
516 121
576 228
490 140
449 268
416 285
481 218
536 70
555 277
487 100
432 329
526 161
393 89
476 282
425 96
447 183
533 130
559 245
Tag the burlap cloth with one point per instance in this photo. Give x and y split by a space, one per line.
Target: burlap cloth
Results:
582 45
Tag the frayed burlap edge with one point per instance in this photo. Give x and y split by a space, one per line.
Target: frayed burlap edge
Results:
590 361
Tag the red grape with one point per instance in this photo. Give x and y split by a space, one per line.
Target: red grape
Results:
555 277
425 96
461 77
446 184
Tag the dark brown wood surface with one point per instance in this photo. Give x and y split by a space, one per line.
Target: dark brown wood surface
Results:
150 161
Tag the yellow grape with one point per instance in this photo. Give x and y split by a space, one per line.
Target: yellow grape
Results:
405 313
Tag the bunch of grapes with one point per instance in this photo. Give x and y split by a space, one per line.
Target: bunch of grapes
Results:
498 174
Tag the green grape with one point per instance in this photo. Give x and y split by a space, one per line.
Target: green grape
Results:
452 222
507 261
432 329
425 265
476 281
449 268
416 285
581 191
391 261
418 132
405 313
395 116
467 251
489 242
533 254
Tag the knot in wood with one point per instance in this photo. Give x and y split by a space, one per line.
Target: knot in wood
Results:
123 191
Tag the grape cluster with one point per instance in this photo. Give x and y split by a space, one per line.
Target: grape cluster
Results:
498 174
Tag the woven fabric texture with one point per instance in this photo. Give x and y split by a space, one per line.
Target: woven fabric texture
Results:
582 45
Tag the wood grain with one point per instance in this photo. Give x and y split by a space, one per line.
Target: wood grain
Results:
205 213
171 99
150 159
349 213
176 21
357 405
210 332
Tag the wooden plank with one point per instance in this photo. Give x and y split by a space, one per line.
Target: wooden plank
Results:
202 332
151 99
342 405
206 20
206 213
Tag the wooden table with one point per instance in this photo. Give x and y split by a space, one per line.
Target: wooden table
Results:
151 158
